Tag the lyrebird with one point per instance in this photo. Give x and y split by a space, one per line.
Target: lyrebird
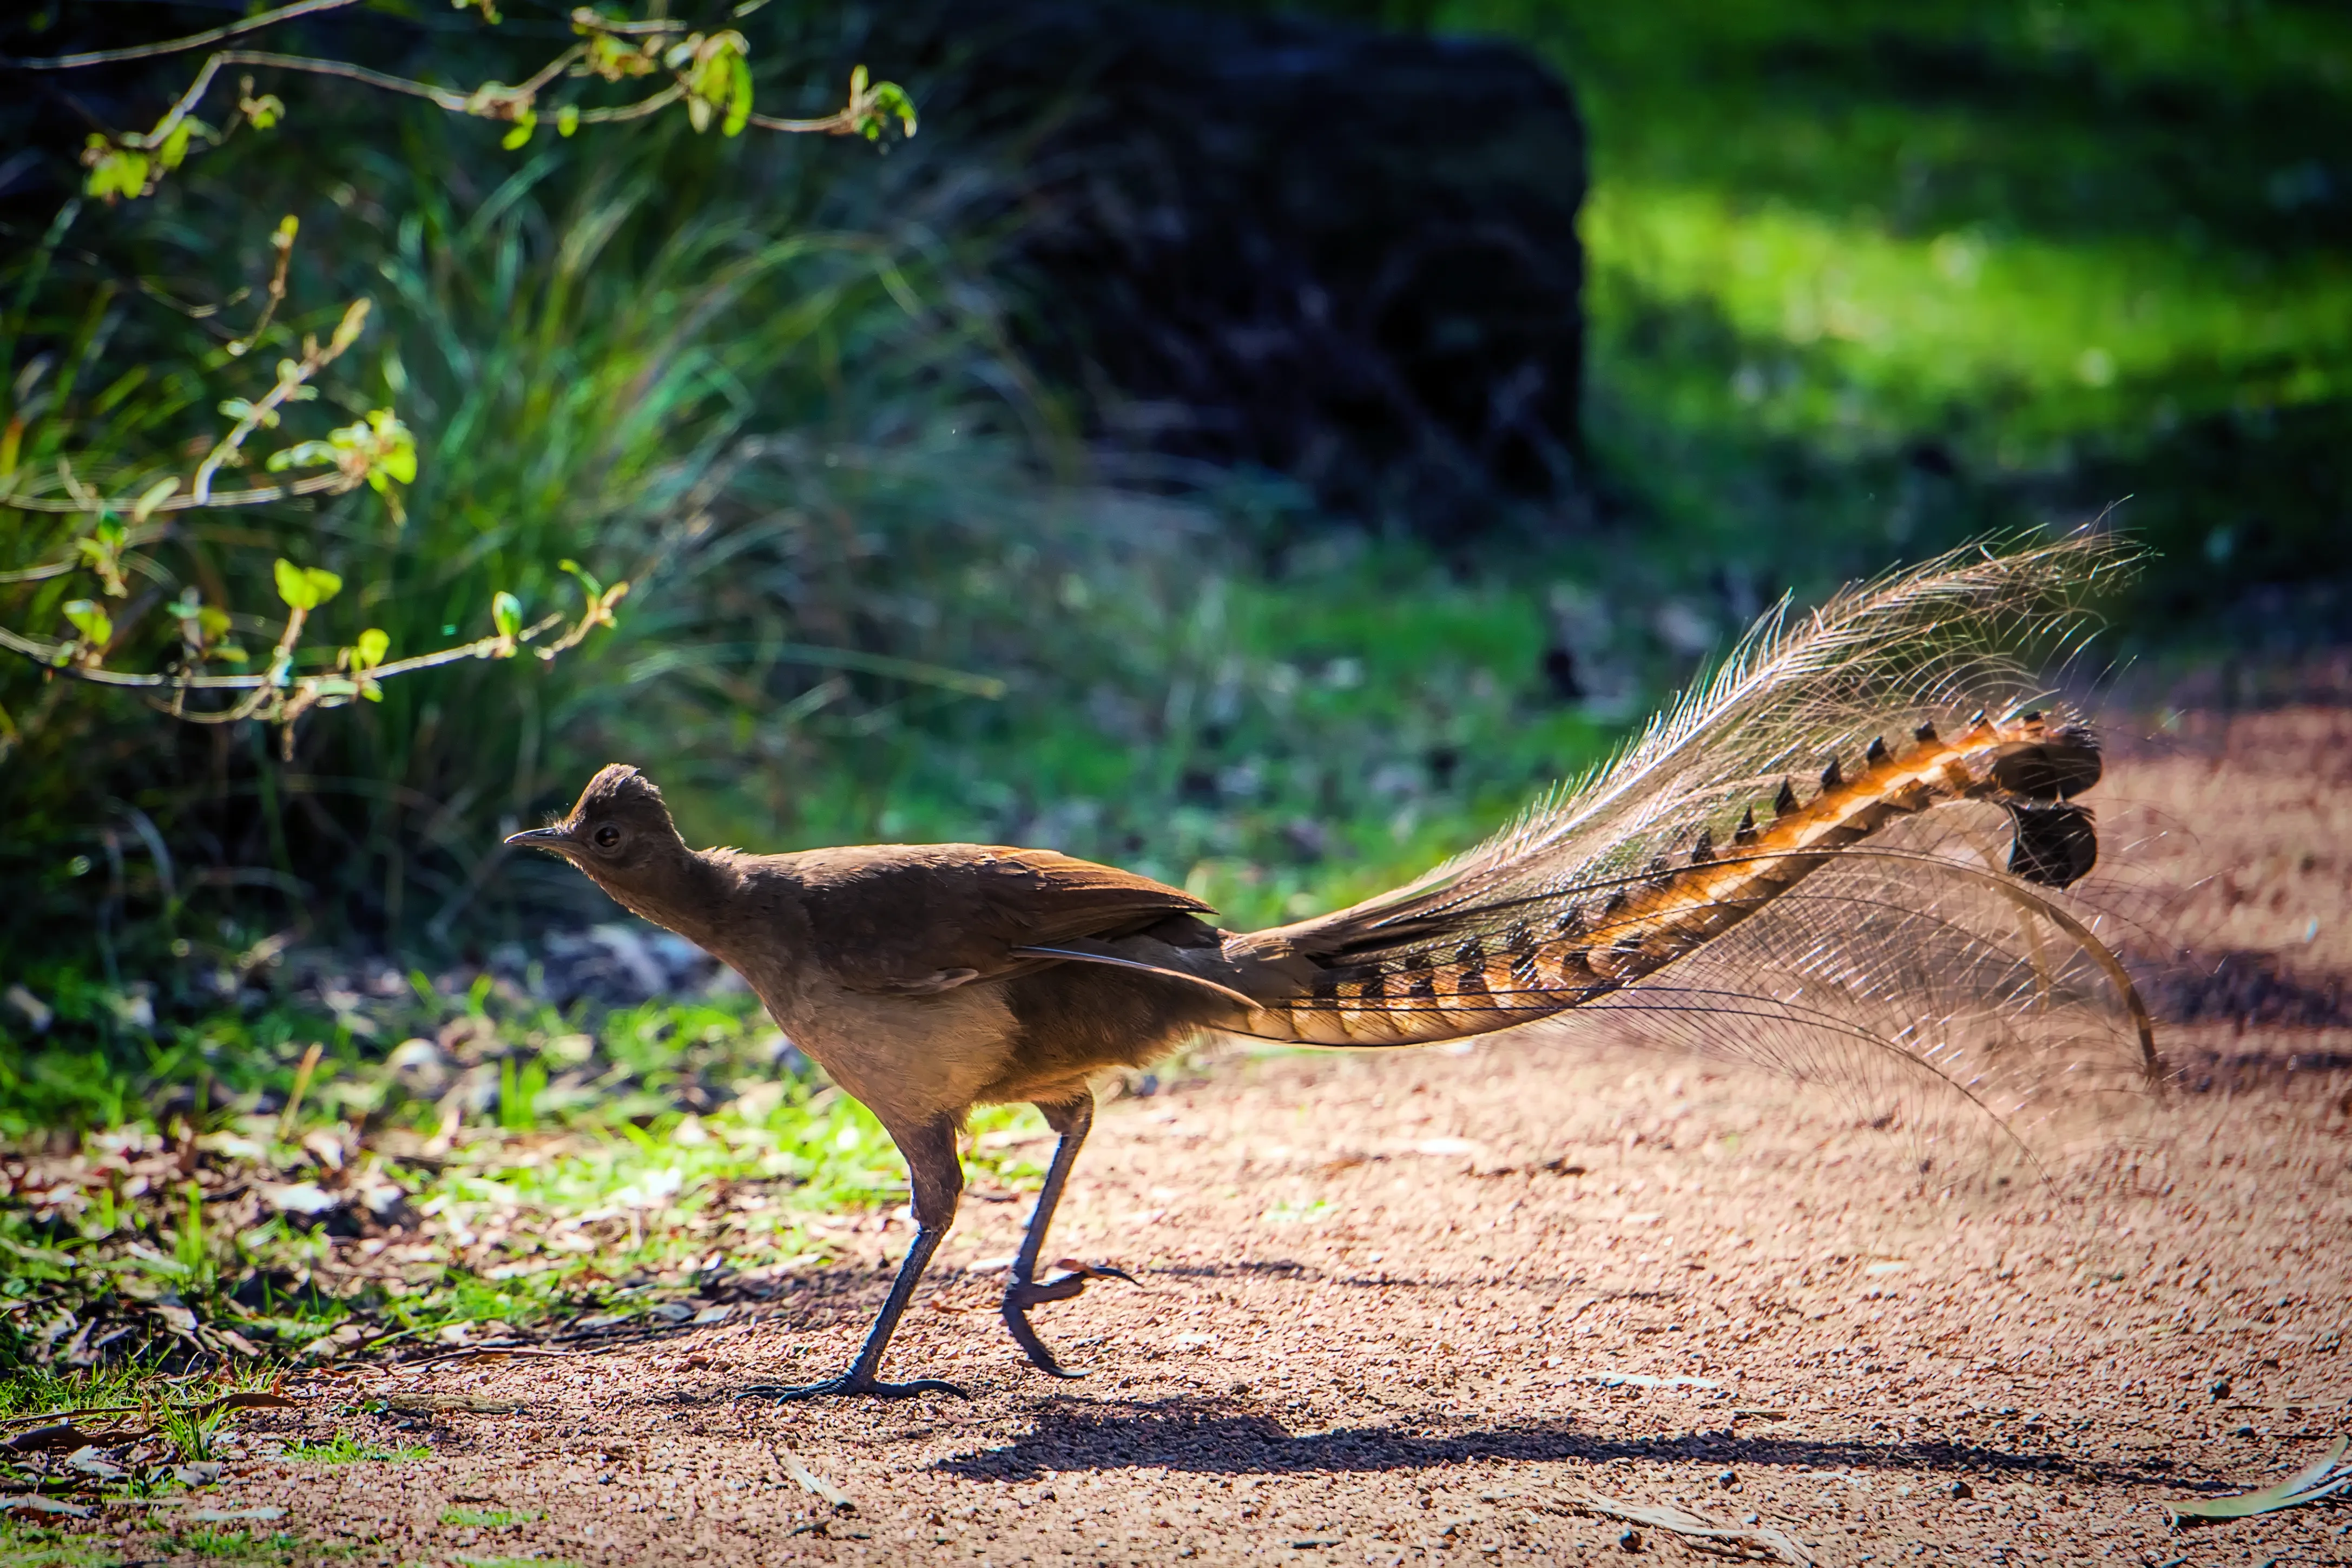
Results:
1767 862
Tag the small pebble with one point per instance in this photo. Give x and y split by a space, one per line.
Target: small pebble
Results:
1962 1490
1727 1478
1629 1539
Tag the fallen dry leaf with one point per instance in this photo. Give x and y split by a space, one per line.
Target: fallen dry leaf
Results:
1692 1527
810 1482
2310 1485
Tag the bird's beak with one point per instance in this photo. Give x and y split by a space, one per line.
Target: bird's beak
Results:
555 838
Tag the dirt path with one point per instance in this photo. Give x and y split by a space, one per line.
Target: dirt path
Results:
1425 1306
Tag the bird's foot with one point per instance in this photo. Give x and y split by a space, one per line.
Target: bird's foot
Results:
851 1383
1024 1294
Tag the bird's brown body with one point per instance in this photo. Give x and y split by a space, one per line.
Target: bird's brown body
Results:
927 979
900 968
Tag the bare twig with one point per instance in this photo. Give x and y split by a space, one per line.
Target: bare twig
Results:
181 46
281 239
1691 1526
843 123
637 111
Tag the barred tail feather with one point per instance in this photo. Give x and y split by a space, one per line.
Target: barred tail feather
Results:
1858 832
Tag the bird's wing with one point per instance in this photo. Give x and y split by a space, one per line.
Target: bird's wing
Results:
1041 896
919 919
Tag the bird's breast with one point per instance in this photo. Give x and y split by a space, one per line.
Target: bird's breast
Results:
908 1059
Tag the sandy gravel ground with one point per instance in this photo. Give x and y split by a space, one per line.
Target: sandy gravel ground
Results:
1440 1306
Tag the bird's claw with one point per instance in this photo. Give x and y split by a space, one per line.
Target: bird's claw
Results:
853 1383
1024 1294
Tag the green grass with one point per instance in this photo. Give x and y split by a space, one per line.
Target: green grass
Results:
588 1191
345 1448
487 1518
42 1546
1865 278
1868 277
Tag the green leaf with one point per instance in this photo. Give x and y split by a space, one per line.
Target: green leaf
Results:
302 454
890 98
588 582
306 587
505 611
739 102
91 619
154 495
293 587
175 150
400 461
116 171
369 651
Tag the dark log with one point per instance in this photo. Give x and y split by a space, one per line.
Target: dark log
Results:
1345 256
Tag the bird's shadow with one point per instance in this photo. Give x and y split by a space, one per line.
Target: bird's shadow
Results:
1219 1437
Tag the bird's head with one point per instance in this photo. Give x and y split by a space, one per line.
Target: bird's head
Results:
619 833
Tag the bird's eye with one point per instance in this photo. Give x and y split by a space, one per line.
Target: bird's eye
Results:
607 836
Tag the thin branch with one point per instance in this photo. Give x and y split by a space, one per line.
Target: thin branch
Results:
841 124
585 17
282 240
637 111
132 538
317 484
440 97
180 45
482 647
528 87
47 652
289 382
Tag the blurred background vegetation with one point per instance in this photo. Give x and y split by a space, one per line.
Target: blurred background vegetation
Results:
1864 279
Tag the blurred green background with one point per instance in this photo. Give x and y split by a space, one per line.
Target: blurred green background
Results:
1865 279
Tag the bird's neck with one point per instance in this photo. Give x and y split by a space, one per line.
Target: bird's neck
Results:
688 891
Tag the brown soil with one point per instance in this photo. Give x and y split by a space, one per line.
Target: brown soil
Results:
1426 1306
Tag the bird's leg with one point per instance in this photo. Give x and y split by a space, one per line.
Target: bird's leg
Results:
938 1179
1071 1119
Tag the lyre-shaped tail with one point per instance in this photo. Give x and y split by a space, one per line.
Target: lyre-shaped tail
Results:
1829 740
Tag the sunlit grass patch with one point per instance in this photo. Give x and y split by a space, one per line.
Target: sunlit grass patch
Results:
2069 335
40 1546
416 1229
349 1448
208 1543
487 1518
